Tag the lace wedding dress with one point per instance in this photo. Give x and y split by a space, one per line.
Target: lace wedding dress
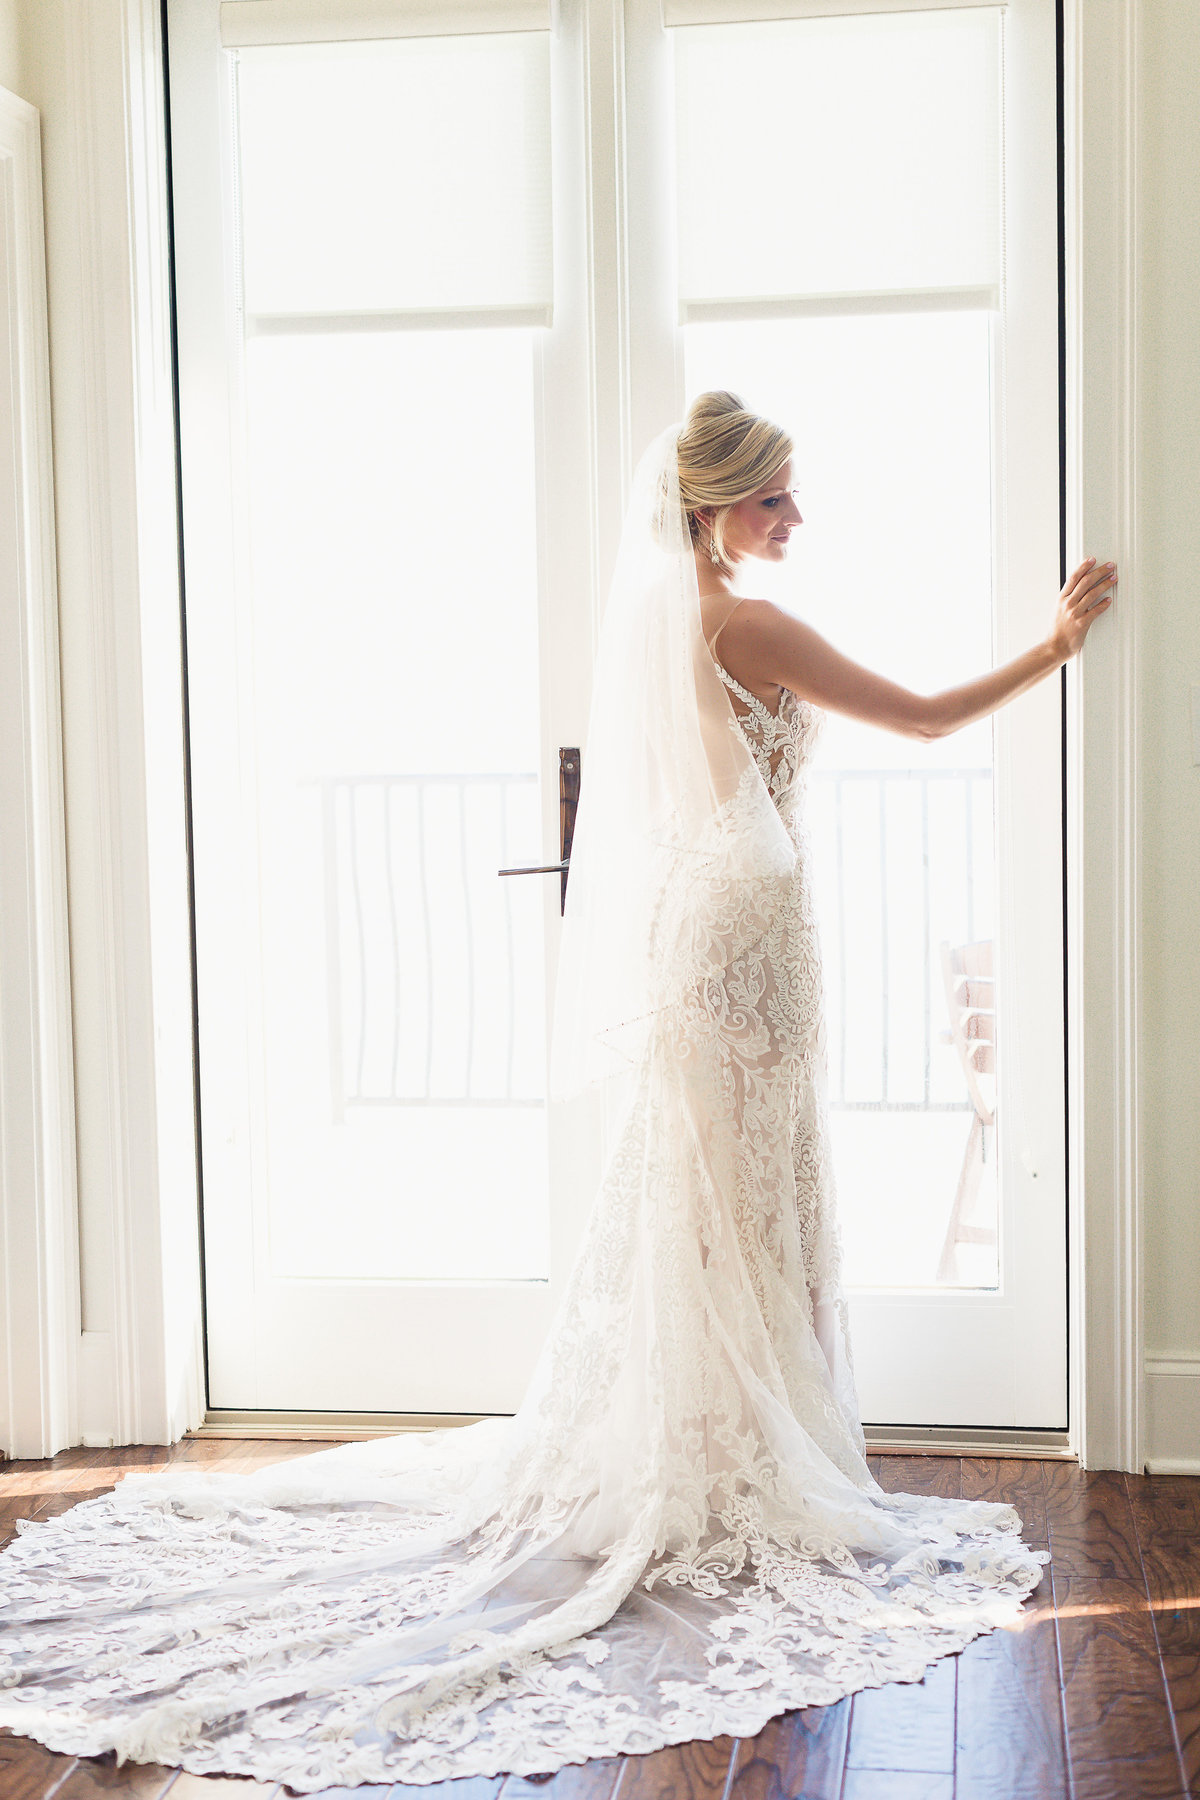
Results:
677 1536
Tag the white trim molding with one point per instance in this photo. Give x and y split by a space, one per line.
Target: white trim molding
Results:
1172 1413
39 1284
1104 955
96 66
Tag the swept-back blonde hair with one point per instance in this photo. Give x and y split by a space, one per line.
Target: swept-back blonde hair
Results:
726 452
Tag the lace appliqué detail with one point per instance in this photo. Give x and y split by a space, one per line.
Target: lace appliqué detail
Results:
781 742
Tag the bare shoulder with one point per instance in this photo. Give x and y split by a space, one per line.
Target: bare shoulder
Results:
752 612
759 643
754 622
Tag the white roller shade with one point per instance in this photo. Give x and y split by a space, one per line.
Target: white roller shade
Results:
833 156
407 176
247 22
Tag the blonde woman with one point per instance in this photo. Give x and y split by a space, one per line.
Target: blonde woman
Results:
678 1535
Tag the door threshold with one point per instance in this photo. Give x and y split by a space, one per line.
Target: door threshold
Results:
968 1440
229 1423
882 1440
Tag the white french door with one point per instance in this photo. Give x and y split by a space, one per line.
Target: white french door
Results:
869 248
434 293
377 700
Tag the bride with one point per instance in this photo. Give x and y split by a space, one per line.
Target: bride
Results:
677 1535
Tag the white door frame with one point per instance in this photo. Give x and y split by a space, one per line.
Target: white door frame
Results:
134 1347
1105 1337
140 1357
39 1278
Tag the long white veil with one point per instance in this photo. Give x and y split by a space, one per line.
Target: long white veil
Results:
671 807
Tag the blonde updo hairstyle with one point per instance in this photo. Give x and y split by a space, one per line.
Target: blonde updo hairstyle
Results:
725 454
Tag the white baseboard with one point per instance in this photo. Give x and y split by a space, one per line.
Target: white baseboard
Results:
1172 1413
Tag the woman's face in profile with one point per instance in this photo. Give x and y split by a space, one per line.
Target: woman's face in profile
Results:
761 524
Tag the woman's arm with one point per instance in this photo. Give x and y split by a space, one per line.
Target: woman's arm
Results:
762 645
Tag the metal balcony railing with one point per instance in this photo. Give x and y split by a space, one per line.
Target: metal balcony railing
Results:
903 861
435 982
434 967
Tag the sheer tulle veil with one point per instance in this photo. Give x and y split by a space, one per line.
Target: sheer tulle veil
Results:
671 800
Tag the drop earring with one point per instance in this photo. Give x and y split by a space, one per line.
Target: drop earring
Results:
712 550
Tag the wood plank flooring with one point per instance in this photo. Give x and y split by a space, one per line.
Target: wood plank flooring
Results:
1096 1696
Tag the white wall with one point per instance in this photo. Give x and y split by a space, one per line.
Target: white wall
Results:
10 45
1169 601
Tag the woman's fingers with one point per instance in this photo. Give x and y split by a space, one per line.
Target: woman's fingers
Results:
1087 594
1090 571
1088 579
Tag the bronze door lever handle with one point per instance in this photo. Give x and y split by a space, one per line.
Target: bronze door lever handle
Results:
568 802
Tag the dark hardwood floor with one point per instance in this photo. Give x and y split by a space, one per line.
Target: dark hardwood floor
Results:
1095 1697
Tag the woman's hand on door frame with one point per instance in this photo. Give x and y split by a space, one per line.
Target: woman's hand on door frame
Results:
1085 595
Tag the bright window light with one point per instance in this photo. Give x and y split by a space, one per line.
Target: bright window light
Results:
395 661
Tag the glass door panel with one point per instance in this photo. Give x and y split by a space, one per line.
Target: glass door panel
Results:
364 268
395 768
890 293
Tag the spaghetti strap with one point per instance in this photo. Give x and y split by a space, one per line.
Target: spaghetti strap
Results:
757 706
712 642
